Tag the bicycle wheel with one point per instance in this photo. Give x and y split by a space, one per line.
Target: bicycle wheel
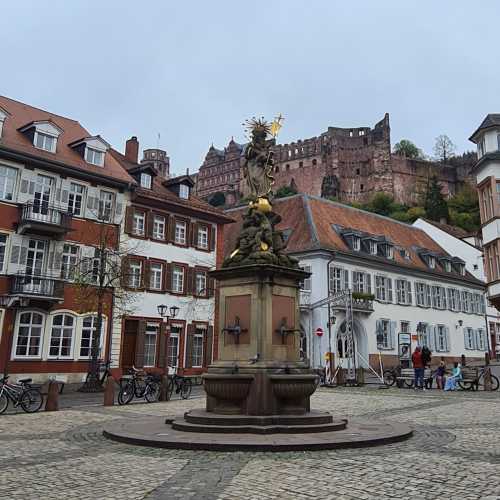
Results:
494 383
31 400
186 388
126 394
170 388
152 392
466 386
409 383
389 378
4 402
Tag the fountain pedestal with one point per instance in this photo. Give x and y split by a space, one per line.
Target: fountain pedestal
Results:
259 370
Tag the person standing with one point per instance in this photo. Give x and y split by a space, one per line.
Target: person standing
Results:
426 360
418 366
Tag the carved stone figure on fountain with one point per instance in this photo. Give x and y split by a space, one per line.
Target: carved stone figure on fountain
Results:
260 242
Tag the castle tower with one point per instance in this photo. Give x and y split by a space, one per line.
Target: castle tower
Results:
159 160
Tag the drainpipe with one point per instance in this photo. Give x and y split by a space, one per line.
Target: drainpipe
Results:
330 360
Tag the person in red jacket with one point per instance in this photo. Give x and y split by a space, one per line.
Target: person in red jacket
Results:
418 366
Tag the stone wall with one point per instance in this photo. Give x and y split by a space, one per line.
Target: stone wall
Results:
350 164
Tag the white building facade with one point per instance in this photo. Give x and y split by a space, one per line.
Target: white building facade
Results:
465 247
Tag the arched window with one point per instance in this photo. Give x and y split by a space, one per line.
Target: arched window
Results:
29 334
61 338
88 328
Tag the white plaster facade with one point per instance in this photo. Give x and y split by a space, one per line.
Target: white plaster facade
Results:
456 323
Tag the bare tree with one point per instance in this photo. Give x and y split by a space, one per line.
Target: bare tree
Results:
444 148
99 281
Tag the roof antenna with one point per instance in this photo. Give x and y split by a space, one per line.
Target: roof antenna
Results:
158 141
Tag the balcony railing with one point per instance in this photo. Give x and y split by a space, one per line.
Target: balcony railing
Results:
42 218
358 305
42 287
305 298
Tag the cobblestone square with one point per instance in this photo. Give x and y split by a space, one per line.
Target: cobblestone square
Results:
454 454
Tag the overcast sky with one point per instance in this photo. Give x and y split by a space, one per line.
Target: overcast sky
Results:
194 71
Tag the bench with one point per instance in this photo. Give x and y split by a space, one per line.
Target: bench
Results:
470 378
407 376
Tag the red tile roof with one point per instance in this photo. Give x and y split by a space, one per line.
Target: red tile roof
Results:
20 115
161 193
312 219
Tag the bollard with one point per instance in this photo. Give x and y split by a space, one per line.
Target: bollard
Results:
163 388
52 403
360 376
109 391
340 376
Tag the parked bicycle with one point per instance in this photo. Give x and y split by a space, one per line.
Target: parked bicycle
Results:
104 371
479 382
21 394
140 385
183 386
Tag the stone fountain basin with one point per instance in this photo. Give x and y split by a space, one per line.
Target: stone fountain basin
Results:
293 386
227 386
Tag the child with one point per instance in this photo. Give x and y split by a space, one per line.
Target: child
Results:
440 372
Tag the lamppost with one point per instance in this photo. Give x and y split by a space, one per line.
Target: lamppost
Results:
166 313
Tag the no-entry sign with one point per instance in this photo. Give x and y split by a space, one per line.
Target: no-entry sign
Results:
319 331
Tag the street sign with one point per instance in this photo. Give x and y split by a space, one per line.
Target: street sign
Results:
319 331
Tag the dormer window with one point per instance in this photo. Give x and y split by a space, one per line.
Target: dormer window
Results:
184 191
43 134
431 261
45 142
446 265
146 180
356 243
91 149
460 268
370 245
386 250
94 156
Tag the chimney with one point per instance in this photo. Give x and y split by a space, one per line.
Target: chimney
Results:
132 149
187 171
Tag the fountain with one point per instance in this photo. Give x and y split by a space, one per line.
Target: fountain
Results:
258 390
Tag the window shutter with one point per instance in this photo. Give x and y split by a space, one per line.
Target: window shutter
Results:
194 234
24 253
213 239
57 261
162 346
58 194
189 346
139 345
211 287
447 338
171 232
118 213
125 271
208 347
189 280
368 279
408 293
345 273
129 217
146 273
32 187
15 254
389 289
168 277
167 227
466 339
149 222
24 186
432 337
392 340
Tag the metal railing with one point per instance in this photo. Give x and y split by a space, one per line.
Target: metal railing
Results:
36 286
45 214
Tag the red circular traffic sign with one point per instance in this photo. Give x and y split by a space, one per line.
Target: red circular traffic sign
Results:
319 331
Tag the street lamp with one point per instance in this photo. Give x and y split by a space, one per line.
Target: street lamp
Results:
162 311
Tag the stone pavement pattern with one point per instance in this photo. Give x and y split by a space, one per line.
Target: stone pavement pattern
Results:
454 455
